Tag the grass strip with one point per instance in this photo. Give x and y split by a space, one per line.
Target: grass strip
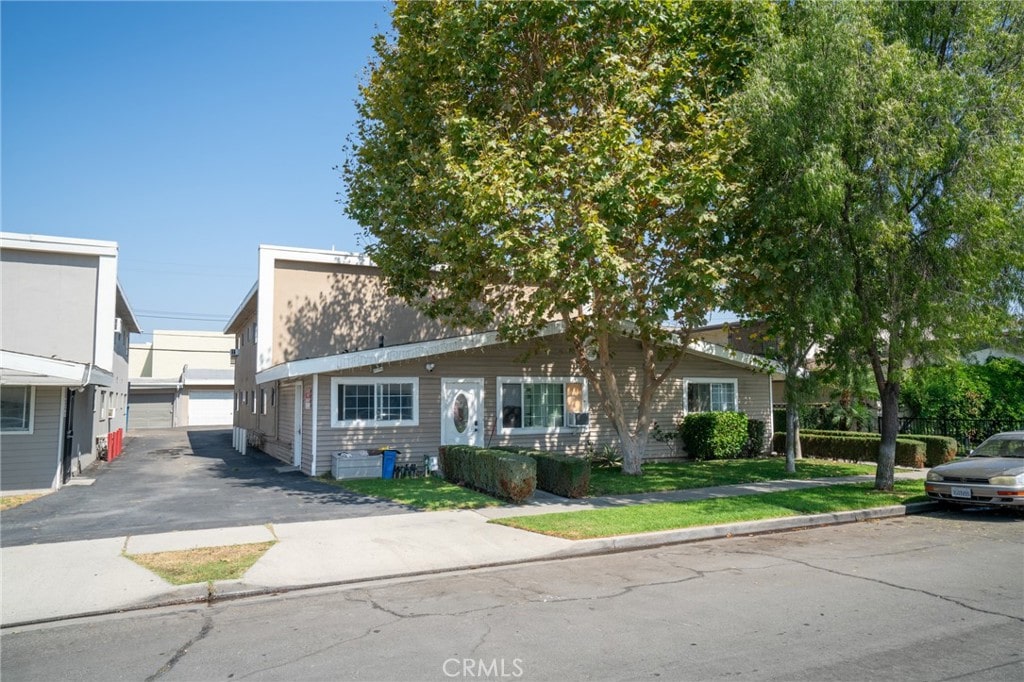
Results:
430 494
12 501
647 518
203 564
662 476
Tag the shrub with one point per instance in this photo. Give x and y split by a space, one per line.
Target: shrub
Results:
714 435
938 449
556 473
754 446
853 446
503 474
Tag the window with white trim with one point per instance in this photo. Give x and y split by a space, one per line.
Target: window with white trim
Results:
263 401
16 409
374 402
710 395
252 397
541 404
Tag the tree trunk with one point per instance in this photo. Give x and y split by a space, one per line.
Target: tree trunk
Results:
798 451
792 437
890 394
633 448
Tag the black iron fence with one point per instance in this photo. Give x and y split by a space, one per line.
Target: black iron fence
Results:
968 432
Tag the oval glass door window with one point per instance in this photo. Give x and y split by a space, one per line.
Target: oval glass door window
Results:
460 413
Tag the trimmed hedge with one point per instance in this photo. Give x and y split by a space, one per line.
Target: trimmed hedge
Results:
938 449
754 447
503 474
556 473
714 435
856 447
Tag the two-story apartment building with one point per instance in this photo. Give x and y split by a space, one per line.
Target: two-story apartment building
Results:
328 361
64 335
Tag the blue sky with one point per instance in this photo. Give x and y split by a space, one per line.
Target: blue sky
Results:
189 133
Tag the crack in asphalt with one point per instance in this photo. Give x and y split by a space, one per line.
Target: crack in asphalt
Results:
879 581
371 630
180 653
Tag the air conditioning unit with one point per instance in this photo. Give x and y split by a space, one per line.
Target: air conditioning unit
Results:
580 419
234 352
117 325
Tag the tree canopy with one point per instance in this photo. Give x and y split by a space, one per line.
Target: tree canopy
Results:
518 163
892 135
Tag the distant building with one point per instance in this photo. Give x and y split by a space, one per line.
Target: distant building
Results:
64 336
181 378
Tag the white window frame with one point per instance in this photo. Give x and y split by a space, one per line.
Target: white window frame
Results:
263 401
253 401
31 414
337 382
536 430
711 380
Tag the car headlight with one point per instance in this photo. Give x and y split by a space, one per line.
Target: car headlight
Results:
1007 480
932 476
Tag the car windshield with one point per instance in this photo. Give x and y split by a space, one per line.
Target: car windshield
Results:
1000 447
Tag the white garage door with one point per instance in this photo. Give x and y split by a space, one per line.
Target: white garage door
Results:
210 408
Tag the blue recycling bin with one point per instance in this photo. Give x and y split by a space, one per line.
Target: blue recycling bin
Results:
388 463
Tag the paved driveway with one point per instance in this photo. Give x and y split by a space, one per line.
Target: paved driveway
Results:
181 479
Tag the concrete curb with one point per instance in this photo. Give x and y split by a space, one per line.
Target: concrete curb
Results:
236 590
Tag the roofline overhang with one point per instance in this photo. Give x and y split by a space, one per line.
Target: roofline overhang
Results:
424 349
380 356
34 370
242 306
131 322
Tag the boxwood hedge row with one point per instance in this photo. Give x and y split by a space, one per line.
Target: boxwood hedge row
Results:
506 475
556 473
857 447
938 449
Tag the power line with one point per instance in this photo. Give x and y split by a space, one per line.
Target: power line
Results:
196 317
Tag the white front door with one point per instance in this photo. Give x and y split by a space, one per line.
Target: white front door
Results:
297 435
462 412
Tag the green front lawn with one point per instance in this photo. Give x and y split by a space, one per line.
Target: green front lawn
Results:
646 518
431 494
663 476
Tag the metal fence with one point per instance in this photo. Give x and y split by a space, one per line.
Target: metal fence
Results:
967 432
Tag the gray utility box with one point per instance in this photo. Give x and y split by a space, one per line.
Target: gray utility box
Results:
359 464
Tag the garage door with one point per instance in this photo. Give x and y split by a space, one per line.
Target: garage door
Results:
150 410
210 408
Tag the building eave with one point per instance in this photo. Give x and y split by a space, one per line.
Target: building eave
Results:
239 314
21 369
390 354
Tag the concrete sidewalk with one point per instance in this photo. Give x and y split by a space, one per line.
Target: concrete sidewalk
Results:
68 579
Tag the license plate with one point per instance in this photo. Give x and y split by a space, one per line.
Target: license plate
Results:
960 492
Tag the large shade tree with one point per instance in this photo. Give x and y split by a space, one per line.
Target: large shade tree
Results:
907 161
522 163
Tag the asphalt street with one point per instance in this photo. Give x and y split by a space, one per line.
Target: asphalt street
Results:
181 479
932 597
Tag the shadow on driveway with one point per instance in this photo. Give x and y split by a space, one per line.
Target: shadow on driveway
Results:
181 479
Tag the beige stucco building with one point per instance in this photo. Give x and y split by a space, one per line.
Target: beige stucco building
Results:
181 378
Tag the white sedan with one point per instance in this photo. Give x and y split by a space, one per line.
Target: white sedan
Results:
993 474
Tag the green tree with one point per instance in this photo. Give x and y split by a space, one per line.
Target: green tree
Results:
910 155
521 163
788 279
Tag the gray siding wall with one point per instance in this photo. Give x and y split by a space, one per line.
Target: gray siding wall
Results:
41 290
508 361
31 461
279 444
